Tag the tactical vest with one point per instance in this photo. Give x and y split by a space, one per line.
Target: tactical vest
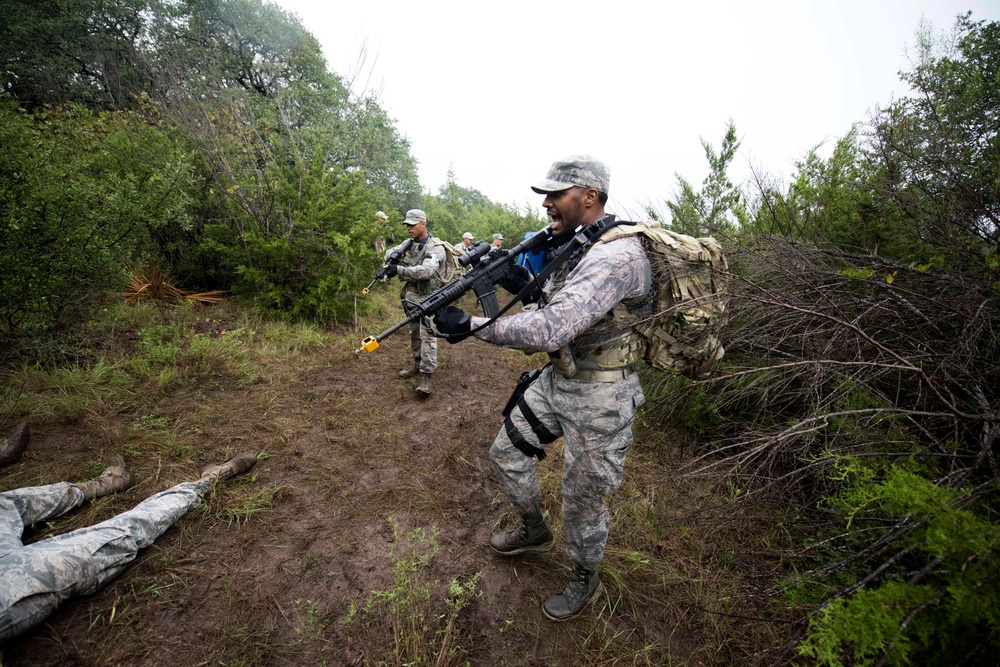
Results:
415 290
613 342
675 326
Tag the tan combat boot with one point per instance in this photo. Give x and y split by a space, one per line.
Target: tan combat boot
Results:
115 478
532 535
237 465
424 388
410 372
17 442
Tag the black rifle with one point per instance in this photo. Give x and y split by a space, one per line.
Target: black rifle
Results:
394 258
488 267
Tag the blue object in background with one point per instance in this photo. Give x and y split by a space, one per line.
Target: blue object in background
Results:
533 261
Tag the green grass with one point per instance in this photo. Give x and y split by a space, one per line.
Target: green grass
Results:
244 504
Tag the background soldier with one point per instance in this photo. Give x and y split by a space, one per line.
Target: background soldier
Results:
381 220
465 244
498 240
588 395
422 270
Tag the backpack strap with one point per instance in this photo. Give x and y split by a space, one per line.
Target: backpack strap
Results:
572 252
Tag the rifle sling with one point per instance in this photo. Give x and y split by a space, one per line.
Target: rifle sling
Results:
544 435
580 242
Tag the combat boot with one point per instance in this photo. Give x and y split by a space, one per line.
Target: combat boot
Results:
583 587
410 372
115 478
532 535
17 442
237 465
424 388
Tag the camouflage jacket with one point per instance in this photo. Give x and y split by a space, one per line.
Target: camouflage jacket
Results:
420 268
580 301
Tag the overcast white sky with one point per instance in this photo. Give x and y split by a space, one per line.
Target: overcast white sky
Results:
499 90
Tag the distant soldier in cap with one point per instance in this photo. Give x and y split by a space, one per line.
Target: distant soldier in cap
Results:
36 578
465 244
422 270
498 240
381 222
590 392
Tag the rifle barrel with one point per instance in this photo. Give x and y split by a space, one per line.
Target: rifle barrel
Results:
493 269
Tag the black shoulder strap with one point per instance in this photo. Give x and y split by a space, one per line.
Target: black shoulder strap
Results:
582 240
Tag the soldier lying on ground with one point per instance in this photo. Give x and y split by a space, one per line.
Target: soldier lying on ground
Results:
37 578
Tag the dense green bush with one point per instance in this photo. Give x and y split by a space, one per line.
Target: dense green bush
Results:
82 195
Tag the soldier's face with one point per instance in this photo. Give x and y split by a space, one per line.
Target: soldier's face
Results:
565 208
416 231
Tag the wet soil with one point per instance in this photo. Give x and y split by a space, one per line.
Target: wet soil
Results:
353 461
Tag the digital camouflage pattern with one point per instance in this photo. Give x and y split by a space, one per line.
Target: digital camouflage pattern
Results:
414 217
37 578
423 346
595 421
607 275
421 268
584 171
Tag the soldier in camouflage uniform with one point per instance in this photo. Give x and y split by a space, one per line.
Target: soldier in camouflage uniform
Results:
465 245
420 269
37 578
381 221
588 395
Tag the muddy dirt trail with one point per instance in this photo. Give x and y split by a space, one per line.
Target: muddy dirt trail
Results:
353 461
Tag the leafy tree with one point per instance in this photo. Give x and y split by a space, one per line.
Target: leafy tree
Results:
937 150
833 201
285 153
86 51
865 384
718 207
457 209
82 196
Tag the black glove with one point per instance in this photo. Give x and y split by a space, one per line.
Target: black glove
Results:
453 324
391 270
516 278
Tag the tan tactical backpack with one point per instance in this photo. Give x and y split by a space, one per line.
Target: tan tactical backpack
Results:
451 268
692 301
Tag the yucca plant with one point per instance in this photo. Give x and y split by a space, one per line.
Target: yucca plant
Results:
156 285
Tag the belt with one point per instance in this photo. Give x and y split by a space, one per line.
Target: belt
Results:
598 375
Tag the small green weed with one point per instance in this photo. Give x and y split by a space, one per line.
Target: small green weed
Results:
310 624
151 422
421 637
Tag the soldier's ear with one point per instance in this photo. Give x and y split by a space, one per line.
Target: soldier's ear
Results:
590 196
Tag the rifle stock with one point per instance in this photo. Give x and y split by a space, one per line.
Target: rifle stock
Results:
489 266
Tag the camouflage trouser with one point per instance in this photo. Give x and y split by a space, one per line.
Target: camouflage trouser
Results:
37 578
423 346
595 421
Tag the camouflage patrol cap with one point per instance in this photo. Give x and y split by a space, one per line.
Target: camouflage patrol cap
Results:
498 237
380 215
585 171
468 235
414 217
